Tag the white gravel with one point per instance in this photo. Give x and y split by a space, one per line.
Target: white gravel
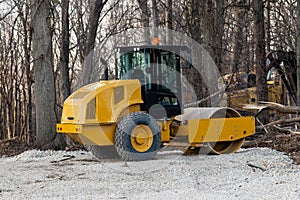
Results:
258 173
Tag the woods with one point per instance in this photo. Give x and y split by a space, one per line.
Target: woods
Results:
44 47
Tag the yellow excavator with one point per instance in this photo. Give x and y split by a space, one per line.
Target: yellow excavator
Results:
135 115
281 79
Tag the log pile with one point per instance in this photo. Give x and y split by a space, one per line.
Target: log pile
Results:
281 132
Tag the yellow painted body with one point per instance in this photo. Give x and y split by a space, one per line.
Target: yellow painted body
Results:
237 99
89 134
275 91
141 138
220 129
91 113
211 130
101 102
93 110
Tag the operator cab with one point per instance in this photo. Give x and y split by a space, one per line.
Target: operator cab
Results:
158 70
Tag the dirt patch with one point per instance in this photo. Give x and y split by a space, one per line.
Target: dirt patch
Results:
288 143
13 147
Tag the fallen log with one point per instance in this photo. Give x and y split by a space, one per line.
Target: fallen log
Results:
282 121
281 108
264 105
285 130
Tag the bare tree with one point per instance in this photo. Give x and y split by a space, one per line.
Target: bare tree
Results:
44 79
64 52
298 52
259 37
209 24
155 18
90 44
169 21
238 42
61 44
219 32
145 19
28 121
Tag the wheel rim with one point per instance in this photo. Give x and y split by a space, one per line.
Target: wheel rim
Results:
225 147
141 138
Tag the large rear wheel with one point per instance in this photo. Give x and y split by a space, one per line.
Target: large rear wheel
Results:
137 137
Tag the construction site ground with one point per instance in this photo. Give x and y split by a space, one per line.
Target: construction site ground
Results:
287 143
253 173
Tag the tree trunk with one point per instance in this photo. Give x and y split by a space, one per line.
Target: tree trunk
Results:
208 24
169 21
268 28
80 32
29 77
298 52
155 18
195 20
145 18
90 44
259 39
219 32
44 77
64 54
193 11
238 38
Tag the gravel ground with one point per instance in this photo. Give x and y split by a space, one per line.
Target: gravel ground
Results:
257 173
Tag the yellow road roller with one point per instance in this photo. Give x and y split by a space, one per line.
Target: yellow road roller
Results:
140 112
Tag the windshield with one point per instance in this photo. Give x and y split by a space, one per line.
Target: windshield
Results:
168 70
155 68
158 69
132 62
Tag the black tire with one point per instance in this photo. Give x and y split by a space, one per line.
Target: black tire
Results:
103 152
124 134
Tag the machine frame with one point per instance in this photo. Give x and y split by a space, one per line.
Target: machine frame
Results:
128 116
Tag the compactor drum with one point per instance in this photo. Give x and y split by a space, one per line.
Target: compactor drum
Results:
134 116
